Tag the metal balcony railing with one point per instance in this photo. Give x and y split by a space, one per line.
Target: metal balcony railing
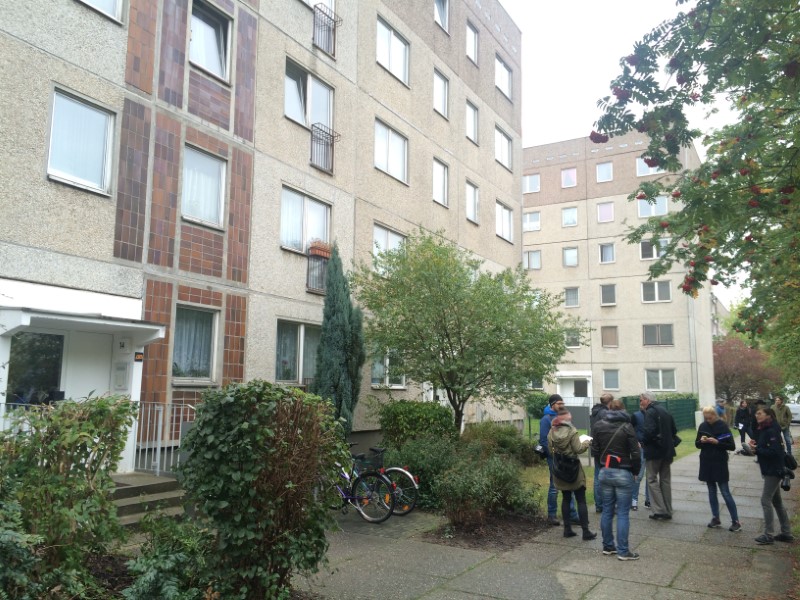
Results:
317 274
322 140
325 24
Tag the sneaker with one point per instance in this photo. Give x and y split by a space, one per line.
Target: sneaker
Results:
553 521
714 523
598 509
628 556
609 550
765 539
635 505
736 526
647 503
784 537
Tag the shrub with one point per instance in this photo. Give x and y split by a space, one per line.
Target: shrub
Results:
403 420
535 403
257 453
19 562
491 438
426 457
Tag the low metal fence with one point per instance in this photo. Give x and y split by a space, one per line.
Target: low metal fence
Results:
160 429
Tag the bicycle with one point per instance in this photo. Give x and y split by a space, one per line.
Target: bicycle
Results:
406 485
370 493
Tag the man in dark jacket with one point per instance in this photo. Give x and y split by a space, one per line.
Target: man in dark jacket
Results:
555 403
659 450
598 412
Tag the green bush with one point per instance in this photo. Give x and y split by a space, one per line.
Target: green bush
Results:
18 560
426 457
403 420
257 453
492 438
535 403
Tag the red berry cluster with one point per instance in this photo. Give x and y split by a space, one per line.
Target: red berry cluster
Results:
598 138
622 94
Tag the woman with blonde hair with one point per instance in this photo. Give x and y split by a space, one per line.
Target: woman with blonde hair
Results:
715 439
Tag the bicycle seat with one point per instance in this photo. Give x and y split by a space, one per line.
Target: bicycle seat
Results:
361 456
378 450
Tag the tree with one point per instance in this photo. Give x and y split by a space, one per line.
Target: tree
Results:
741 372
473 334
340 354
740 207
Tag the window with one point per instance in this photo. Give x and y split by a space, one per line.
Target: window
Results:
660 379
657 335
656 291
472 42
642 169
652 210
385 240
303 220
383 374
569 217
502 76
296 352
392 51
608 294
610 379
306 99
502 148
606 253
569 177
570 256
441 12
208 46
647 249
504 222
473 202
193 351
532 259
391 151
530 183
440 93
34 367
571 297
203 193
109 7
605 212
440 182
572 338
531 221
80 143
472 122
609 336
605 172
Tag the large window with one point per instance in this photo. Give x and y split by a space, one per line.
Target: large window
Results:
569 217
383 375
34 367
208 45
571 297
610 379
392 51
473 202
80 143
532 259
303 220
657 335
531 221
504 222
570 256
109 7
441 88
502 76
306 99
502 148
530 183
471 122
605 172
656 291
385 240
440 182
649 251
605 212
608 294
203 193
472 42
660 379
572 338
652 210
642 169
609 336
391 151
607 254
296 352
569 177
441 13
193 351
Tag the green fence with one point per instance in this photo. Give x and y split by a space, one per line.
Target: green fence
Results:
681 406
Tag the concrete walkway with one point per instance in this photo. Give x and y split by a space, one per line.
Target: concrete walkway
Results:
680 559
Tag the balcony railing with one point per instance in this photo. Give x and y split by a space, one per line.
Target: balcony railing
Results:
317 274
325 23
322 140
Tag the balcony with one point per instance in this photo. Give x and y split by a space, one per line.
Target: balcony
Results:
325 23
322 141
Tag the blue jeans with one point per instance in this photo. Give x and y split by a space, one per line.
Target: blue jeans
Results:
726 495
617 485
637 485
598 491
552 497
787 437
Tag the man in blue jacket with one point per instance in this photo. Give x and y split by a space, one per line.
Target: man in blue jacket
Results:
556 403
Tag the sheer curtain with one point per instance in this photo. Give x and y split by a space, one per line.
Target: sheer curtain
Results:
202 179
206 46
286 352
79 142
292 220
191 355
310 345
295 94
316 221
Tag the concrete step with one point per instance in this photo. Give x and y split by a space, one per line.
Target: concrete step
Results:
139 493
149 502
132 521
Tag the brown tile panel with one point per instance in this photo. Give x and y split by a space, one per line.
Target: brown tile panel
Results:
239 215
235 323
201 251
209 100
173 51
202 296
134 149
206 142
244 107
156 366
141 44
164 203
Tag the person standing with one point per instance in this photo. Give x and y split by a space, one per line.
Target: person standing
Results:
637 420
714 439
743 421
659 450
784 417
598 412
564 439
768 447
618 449
554 404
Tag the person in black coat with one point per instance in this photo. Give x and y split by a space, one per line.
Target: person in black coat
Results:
715 439
769 449
743 420
659 450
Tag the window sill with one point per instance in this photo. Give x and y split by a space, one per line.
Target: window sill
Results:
113 18
79 186
388 387
293 250
392 74
197 383
392 176
506 96
473 222
442 204
201 223
475 142
505 239
506 167
441 114
209 74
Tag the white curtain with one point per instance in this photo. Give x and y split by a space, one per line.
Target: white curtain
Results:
194 331
292 220
202 186
316 221
286 352
79 142
321 96
206 46
295 94
310 345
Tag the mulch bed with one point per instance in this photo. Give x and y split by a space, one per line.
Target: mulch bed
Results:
497 533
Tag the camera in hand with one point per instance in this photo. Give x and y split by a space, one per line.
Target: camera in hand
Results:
539 449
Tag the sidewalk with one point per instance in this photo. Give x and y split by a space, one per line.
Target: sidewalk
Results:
680 559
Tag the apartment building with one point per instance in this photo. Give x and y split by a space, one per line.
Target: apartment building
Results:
645 335
174 168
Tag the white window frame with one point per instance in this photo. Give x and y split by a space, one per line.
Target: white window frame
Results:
503 149
659 288
441 13
660 373
219 222
567 292
440 182
385 154
532 221
221 24
531 183
114 14
603 177
308 83
564 257
613 258
642 170
503 76
471 121
599 218
387 57
385 239
212 342
609 328
659 336
504 221
441 93
472 42
387 383
300 364
569 216
647 210
306 236
567 181
532 260
606 373
652 254
572 338
613 286
473 202
60 172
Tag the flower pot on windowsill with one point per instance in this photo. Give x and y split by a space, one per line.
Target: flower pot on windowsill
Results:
319 249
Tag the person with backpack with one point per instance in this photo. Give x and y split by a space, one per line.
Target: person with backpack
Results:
598 412
554 403
714 439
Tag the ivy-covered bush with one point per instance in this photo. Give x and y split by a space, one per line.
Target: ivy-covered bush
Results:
257 452
18 560
535 402
404 420
489 438
426 457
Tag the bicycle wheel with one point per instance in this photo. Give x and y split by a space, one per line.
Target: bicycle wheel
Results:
372 496
406 490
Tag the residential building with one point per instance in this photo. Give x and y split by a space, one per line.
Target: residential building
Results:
645 335
172 166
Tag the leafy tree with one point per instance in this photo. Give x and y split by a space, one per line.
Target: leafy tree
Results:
475 335
740 207
741 372
340 354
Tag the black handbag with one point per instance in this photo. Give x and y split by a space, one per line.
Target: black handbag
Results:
566 467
